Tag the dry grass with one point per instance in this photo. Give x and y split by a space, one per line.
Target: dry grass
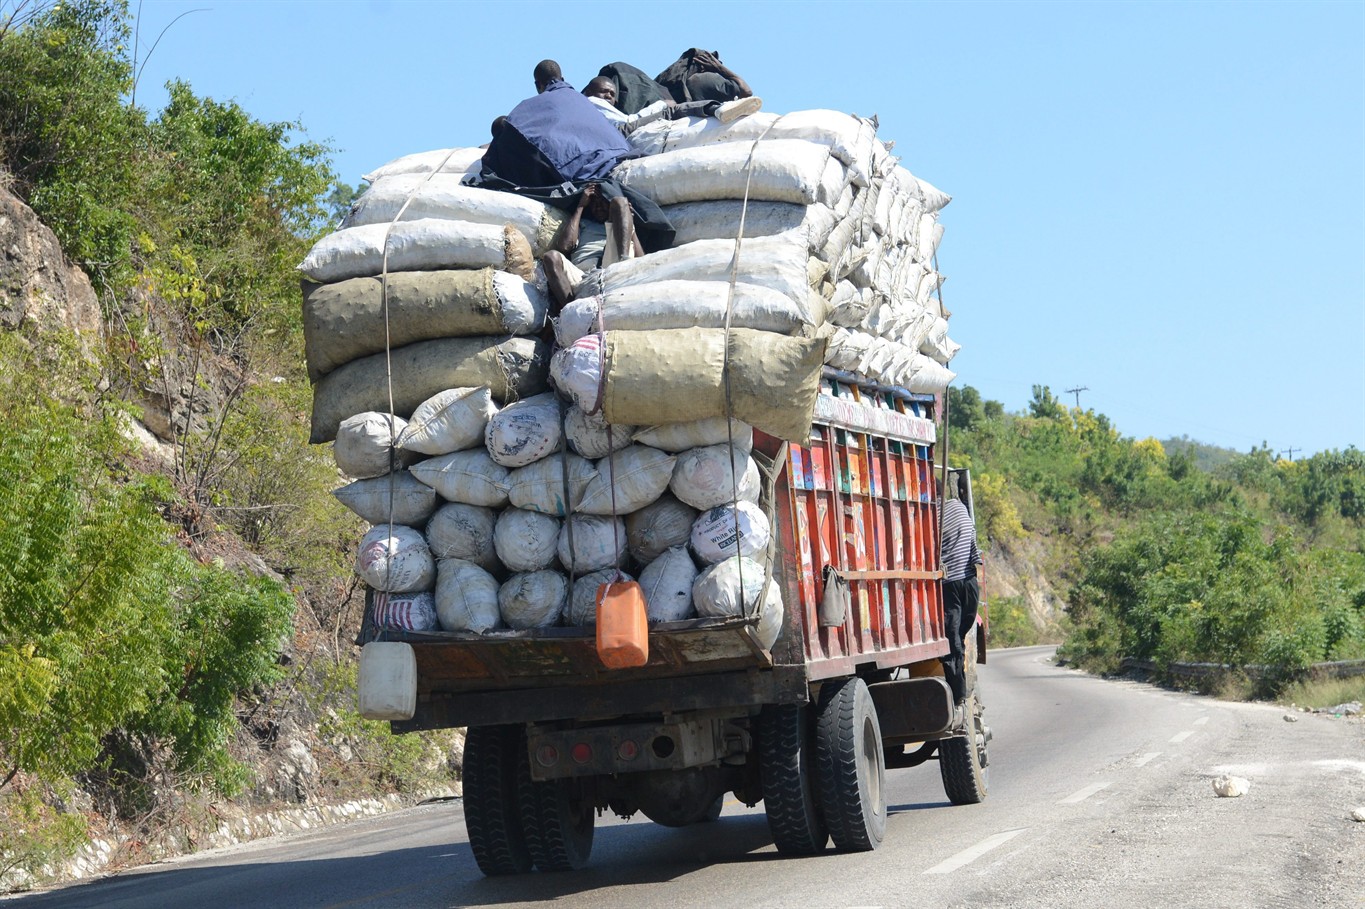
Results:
1318 693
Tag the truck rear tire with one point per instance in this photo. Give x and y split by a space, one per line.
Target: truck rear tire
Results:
491 817
787 760
557 817
850 765
962 760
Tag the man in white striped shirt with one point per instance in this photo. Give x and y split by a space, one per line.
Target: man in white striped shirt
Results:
961 593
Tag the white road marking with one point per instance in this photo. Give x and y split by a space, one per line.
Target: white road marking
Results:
1084 794
967 856
1201 721
1181 736
1146 758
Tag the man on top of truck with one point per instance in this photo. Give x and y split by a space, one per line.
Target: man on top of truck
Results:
961 593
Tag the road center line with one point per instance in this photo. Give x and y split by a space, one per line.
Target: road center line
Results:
1201 721
1146 757
1181 736
967 856
1084 794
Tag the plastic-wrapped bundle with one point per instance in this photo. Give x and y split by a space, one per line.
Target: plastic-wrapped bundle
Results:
526 540
667 583
408 611
410 500
627 481
583 603
539 486
719 220
525 431
684 304
659 526
678 437
587 433
713 534
466 597
395 559
471 477
577 372
459 161
450 420
782 170
598 542
710 476
425 245
346 320
533 599
717 591
364 445
459 531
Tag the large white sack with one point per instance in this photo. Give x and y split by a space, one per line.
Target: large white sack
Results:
451 420
444 197
683 304
583 603
627 481
720 220
408 611
937 344
598 542
395 559
659 526
471 477
533 599
424 245
456 161
466 597
365 442
677 437
713 534
459 531
589 436
783 170
526 540
540 486
778 263
709 476
576 370
398 498
525 431
667 583
717 590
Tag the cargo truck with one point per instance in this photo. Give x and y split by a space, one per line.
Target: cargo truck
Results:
852 686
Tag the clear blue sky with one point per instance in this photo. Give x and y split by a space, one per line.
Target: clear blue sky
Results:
1164 202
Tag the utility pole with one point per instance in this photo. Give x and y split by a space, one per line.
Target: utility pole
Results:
1290 452
1077 393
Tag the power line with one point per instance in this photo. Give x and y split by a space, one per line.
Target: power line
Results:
1077 393
1290 451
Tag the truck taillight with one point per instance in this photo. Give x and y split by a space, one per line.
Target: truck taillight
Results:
547 755
581 752
628 750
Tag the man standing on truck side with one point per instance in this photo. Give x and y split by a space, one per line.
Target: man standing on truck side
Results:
961 593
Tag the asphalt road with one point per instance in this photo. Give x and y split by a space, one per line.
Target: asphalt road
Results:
1101 796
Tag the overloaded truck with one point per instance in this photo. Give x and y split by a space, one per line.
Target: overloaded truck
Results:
744 418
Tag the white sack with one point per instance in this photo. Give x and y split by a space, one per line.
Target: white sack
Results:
713 534
364 444
719 220
783 170
471 477
533 599
526 540
466 597
937 344
627 481
583 604
777 263
587 433
443 197
577 371
423 245
661 525
451 420
395 559
459 531
598 542
412 501
708 476
716 593
539 486
408 611
525 431
667 583
457 161
677 437
682 304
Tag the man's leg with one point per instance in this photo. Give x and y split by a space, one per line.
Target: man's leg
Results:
954 669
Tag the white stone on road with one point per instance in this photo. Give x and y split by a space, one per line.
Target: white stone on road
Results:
1231 787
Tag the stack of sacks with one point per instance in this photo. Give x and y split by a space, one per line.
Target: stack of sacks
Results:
822 190
466 301
489 518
